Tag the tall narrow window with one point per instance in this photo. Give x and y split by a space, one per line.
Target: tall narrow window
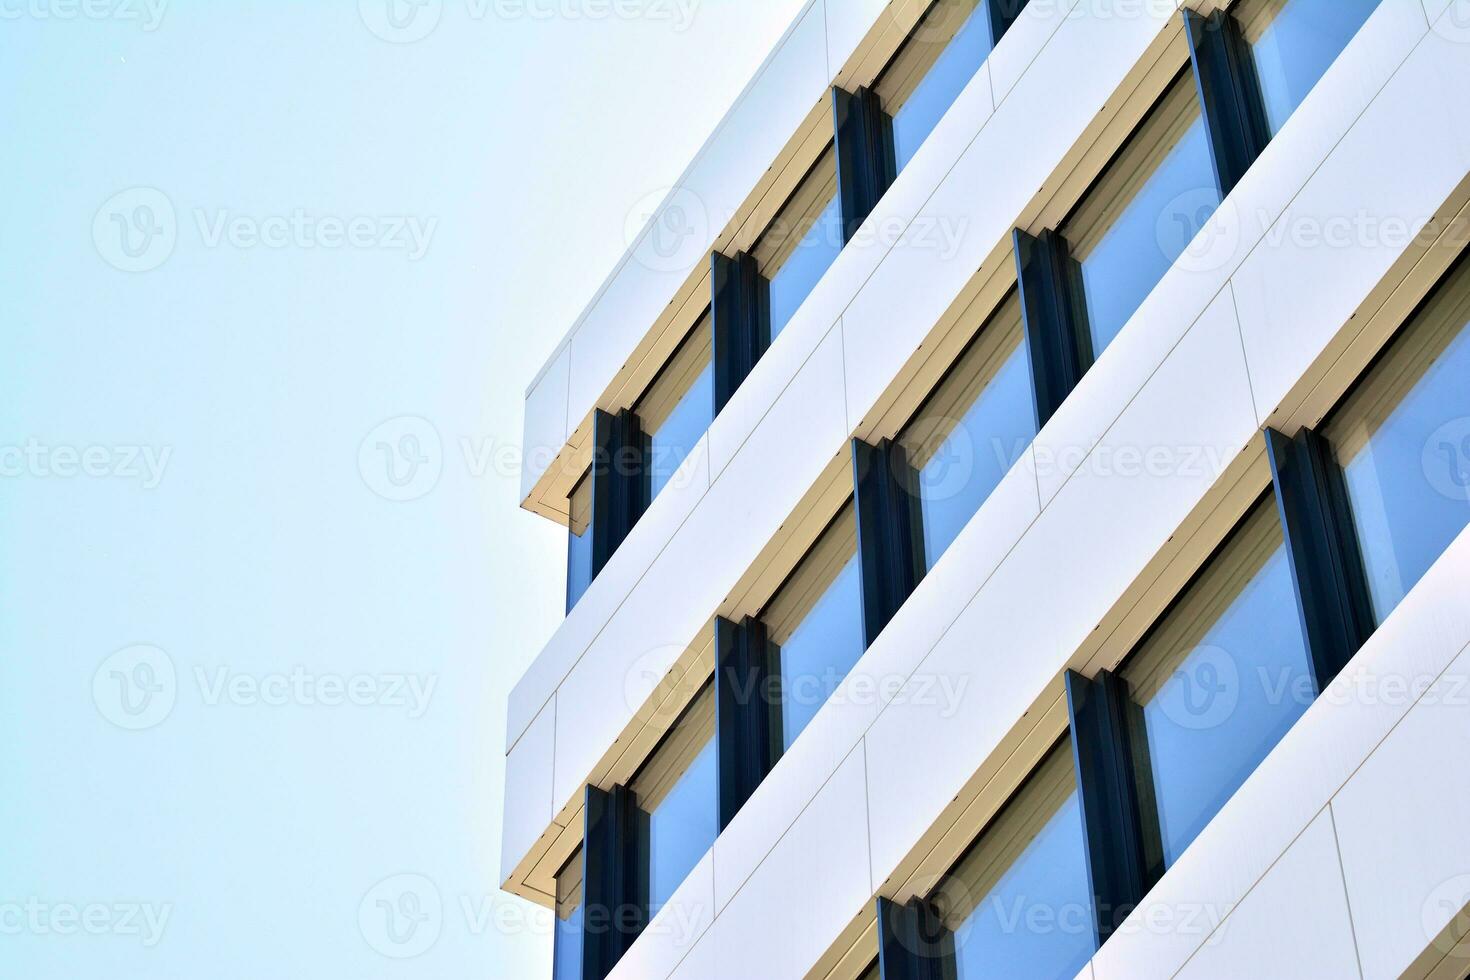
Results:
1019 903
579 539
1294 42
678 406
1142 213
947 46
802 241
966 436
677 790
815 627
567 945
1217 683
1402 439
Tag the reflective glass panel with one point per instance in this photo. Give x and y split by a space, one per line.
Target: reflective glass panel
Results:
677 408
1218 682
579 540
801 242
1294 42
567 946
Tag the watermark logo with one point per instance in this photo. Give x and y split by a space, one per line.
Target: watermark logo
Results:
678 229
402 459
1203 692
147 13
648 680
401 917
1446 459
1196 233
1454 23
1448 903
144 921
401 21
136 687
40 461
136 230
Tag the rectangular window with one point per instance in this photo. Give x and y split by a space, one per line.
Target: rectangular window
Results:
978 420
802 241
677 791
1142 213
1402 439
678 406
567 945
1020 903
936 62
814 624
579 539
1294 42
1216 684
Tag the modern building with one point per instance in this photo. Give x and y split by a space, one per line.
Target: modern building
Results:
1016 490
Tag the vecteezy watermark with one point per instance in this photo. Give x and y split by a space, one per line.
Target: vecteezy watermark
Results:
408 21
402 458
38 460
148 14
1445 913
145 921
401 917
1446 459
1454 23
677 229
136 687
138 229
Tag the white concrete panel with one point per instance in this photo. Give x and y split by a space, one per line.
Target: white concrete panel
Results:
810 887
680 591
545 430
1401 821
1015 52
528 808
1449 22
703 960
673 933
1346 228
1294 923
848 22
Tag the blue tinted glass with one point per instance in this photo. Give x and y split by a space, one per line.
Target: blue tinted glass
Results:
1034 921
804 267
1406 451
567 949
682 827
942 84
981 440
820 651
579 541
1229 675
682 430
1299 45
1149 232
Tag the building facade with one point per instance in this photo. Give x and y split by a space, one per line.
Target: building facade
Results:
1016 490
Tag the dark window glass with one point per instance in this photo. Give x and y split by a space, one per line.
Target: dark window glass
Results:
946 48
1020 902
567 946
1143 212
799 245
677 791
815 627
1217 683
872 973
579 540
1403 441
972 428
1294 42
677 408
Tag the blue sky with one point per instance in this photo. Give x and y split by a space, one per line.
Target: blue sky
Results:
276 277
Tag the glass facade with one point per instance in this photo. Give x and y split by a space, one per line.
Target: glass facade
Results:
966 436
1294 42
1142 213
802 241
677 790
1216 684
815 627
947 46
579 539
678 407
566 957
1020 902
1402 439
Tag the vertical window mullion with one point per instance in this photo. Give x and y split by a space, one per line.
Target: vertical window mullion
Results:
913 943
1326 565
742 712
865 160
1059 349
619 481
613 906
1229 95
739 319
1003 14
1107 789
889 533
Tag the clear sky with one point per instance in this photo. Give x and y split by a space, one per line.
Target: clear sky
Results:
276 276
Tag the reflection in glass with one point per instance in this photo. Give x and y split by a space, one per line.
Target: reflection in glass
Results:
1294 42
815 627
1403 441
977 422
677 790
799 245
1143 212
1019 903
678 406
947 46
579 539
567 946
1220 680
